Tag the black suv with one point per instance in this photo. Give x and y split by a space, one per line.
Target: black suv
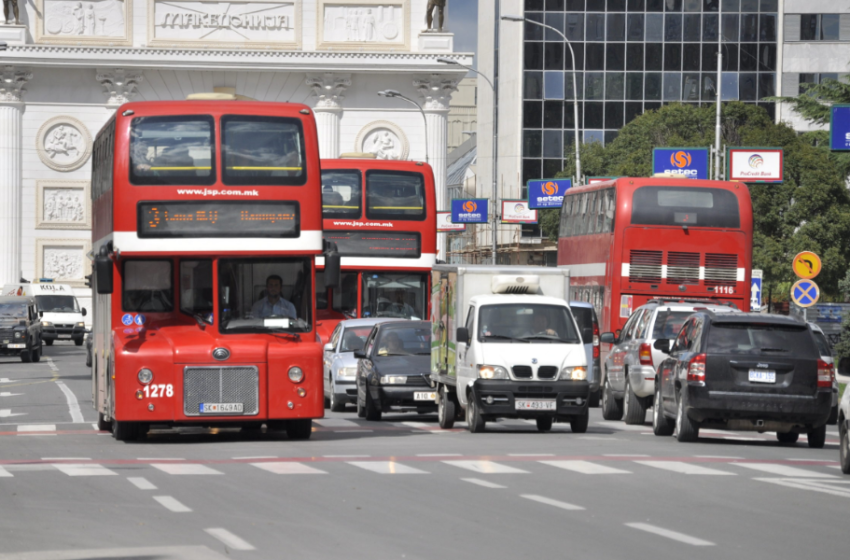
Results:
743 371
20 328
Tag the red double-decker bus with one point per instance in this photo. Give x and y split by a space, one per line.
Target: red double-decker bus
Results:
206 228
382 216
633 239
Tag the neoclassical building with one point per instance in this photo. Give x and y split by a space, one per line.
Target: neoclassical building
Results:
70 64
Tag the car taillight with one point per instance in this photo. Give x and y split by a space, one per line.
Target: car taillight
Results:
595 341
645 354
826 374
696 369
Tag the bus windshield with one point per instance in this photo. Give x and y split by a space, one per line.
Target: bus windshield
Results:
395 195
259 150
685 206
394 295
172 150
341 194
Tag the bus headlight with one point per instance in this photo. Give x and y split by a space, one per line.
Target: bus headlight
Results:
574 373
145 376
492 372
296 375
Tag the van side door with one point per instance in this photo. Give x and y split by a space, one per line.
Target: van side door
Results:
465 356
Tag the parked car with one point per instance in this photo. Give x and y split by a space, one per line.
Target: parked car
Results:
630 366
743 371
394 369
825 349
844 432
588 326
20 328
339 364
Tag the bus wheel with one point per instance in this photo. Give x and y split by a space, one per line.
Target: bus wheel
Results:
102 424
124 431
299 429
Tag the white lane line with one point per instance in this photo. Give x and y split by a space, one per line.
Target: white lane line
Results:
598 438
485 467
551 502
810 485
439 455
823 461
7 394
171 504
160 459
716 457
531 454
784 470
256 457
72 469
623 427
184 468
37 428
287 467
683 468
73 403
7 413
141 483
229 539
673 535
336 423
625 455
346 456
7 380
584 467
50 364
4 473
352 431
386 467
484 483
95 426
66 458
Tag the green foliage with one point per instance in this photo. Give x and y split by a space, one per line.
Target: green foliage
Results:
813 104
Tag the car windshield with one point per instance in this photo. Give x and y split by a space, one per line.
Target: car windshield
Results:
57 304
527 323
669 323
404 341
12 313
354 338
761 338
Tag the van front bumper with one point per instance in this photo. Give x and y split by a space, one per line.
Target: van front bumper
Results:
497 398
70 332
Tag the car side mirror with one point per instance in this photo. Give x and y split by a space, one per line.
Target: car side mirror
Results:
329 347
360 354
662 344
84 312
607 338
40 314
463 335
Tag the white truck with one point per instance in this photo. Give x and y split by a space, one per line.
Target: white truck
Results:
62 316
504 344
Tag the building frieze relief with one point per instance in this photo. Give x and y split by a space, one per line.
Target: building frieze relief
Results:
64 260
63 143
63 204
86 22
363 24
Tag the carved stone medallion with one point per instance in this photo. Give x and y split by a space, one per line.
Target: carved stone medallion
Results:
63 143
384 139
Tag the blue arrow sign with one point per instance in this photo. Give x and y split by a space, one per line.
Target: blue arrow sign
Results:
805 293
755 294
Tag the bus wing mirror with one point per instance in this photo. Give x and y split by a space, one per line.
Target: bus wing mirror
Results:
463 335
607 338
332 267
662 344
103 270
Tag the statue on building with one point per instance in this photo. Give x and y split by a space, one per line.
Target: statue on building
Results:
11 5
440 6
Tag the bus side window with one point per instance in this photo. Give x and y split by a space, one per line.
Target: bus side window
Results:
609 210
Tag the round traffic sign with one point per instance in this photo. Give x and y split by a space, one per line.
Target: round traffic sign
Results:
805 293
806 265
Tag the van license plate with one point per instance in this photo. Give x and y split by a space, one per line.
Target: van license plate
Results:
762 376
424 396
221 408
522 404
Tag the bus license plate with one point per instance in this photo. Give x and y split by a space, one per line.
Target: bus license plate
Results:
424 396
762 376
221 408
535 405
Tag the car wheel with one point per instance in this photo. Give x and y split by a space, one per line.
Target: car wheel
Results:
102 424
446 409
661 425
612 409
578 424
634 411
78 341
544 423
686 429
593 400
787 437
817 437
124 431
49 342
36 355
833 416
361 410
844 449
26 355
336 406
299 429
372 412
88 359
474 422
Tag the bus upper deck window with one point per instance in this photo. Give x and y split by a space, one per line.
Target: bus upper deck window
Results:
342 193
395 195
173 150
262 150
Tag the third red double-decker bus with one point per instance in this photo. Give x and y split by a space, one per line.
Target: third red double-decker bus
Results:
382 216
633 239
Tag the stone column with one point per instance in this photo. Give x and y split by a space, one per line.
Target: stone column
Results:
12 81
328 91
436 93
119 86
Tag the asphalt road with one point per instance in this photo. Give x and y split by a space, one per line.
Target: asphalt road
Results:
400 488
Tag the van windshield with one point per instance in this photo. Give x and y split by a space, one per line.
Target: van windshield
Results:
58 304
527 323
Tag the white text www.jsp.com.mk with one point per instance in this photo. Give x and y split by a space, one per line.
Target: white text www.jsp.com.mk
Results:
216 192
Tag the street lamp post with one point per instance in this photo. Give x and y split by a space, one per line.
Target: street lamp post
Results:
394 93
575 88
495 151
719 90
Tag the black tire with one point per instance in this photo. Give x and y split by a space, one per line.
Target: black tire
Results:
299 429
661 425
78 341
475 423
817 437
686 429
88 358
594 399
124 431
36 354
578 424
26 355
372 412
544 423
336 406
361 410
833 416
446 409
276 425
844 449
49 341
102 424
634 409
612 409
787 437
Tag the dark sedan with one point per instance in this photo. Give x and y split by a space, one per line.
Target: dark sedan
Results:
393 370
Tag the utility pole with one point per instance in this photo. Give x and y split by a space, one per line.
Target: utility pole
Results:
719 89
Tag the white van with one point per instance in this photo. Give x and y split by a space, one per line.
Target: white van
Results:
62 317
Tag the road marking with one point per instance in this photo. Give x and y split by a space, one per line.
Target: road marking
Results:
72 469
336 423
673 535
159 459
256 457
439 455
783 470
7 380
171 504
584 467
811 485
598 438
352 431
824 461
716 457
484 483
141 483
229 539
4 473
50 364
73 403
625 455
7 394
386 467
735 438
66 458
551 502
185 468
683 468
37 428
531 454
346 456
7 413
287 467
623 427
485 467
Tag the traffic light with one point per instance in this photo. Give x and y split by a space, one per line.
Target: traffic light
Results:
88 281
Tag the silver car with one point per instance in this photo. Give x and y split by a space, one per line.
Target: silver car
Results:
339 364
825 350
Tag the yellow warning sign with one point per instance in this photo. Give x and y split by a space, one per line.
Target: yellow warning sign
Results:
806 265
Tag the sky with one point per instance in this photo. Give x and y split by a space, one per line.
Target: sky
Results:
462 20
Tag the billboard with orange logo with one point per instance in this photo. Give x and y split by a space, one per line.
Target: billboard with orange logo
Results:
469 210
547 193
691 163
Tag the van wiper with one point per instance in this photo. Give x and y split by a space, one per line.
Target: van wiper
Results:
773 349
504 337
550 337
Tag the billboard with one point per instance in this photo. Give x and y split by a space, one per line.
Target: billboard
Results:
444 223
469 210
518 212
547 193
691 163
839 127
755 165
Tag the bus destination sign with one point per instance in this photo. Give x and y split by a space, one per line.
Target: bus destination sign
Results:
404 245
218 219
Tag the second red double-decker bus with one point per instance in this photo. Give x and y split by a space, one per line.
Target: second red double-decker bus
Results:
633 239
207 224
382 216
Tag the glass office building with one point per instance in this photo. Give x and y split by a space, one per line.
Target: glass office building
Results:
632 56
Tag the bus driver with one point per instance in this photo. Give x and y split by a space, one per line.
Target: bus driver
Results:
273 304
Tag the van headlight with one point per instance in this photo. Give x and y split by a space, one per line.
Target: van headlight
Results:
574 374
81 324
46 324
492 372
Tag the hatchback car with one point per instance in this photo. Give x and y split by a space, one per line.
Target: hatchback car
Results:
20 328
743 371
394 370
588 326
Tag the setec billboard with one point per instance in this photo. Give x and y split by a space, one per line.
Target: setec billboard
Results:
518 212
469 210
687 162
839 128
755 165
547 193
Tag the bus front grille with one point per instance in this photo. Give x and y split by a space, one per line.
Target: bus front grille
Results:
221 385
